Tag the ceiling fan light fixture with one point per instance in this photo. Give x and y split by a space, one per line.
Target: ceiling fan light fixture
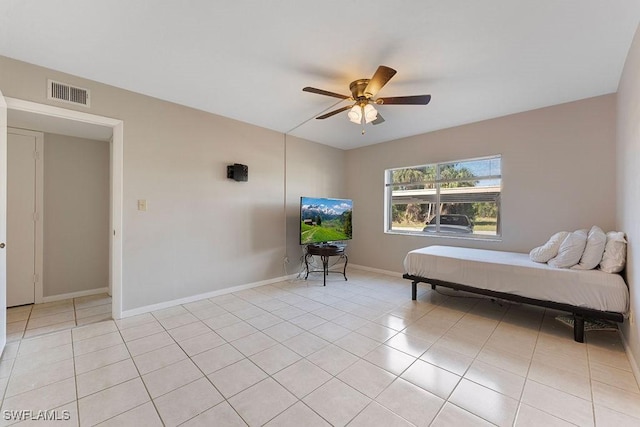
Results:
370 113
363 92
355 115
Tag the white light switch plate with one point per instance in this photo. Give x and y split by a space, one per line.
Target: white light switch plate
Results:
142 205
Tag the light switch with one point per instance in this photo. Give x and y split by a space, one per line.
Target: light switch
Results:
142 205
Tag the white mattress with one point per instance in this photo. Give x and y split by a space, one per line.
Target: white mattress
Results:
515 273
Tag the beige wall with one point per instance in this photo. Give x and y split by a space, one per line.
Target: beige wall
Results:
76 214
313 170
628 207
558 169
201 232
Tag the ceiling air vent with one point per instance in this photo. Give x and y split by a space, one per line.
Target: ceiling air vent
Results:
67 93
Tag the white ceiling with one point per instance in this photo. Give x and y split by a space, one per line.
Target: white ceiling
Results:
249 60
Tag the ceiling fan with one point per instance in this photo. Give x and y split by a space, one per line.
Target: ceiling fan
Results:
363 92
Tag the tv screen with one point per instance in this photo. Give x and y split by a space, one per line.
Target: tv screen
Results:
325 220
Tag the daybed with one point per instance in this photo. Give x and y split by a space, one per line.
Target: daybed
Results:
514 277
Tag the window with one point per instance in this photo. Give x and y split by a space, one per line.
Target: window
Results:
457 199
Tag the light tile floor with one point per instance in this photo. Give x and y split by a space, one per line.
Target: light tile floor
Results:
357 353
31 320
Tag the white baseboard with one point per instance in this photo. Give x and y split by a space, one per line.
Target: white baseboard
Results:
75 294
376 270
186 300
632 360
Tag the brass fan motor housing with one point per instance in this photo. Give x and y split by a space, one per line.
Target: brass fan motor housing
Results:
357 89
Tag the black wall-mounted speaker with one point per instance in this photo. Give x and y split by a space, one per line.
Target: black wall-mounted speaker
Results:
238 172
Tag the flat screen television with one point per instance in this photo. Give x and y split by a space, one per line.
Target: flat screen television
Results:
325 220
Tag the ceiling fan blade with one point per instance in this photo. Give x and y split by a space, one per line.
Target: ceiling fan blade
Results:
324 92
405 100
378 120
334 112
382 75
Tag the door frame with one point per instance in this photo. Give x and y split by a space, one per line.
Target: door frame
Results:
3 222
116 173
38 289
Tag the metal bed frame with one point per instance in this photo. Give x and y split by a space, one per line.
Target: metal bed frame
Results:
579 313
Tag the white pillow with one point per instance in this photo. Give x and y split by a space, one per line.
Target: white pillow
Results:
615 253
570 250
550 249
593 251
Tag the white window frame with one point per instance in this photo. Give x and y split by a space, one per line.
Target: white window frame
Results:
388 199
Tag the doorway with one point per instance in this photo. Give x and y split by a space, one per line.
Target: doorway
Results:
62 117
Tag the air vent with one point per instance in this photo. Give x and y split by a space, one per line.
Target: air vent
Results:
67 93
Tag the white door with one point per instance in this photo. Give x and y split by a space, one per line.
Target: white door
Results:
21 217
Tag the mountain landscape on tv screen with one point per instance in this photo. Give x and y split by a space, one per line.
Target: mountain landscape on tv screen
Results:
325 220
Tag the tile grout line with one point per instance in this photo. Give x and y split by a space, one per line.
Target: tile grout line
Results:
197 367
75 376
526 378
475 358
446 400
593 400
331 375
139 376
268 375
271 376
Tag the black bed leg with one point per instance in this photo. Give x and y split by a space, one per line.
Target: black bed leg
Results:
578 328
414 290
